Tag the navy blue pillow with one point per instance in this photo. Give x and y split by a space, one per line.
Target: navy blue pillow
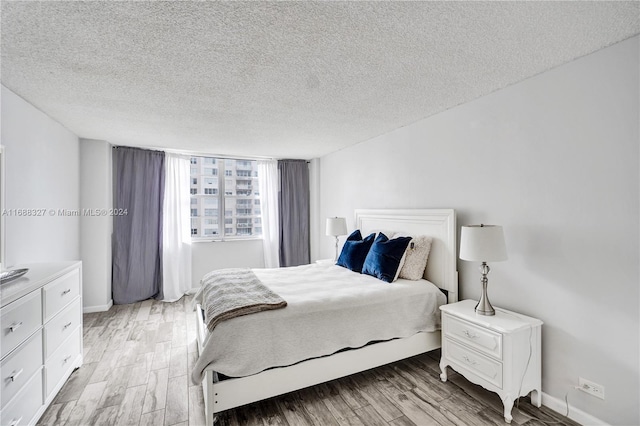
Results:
354 251
384 258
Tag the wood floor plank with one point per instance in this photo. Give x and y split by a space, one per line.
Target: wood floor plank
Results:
196 406
105 366
130 411
177 408
116 387
104 416
293 411
178 361
57 414
139 373
87 403
402 421
406 404
156 392
383 406
271 413
316 408
143 312
161 355
341 411
370 417
76 383
153 418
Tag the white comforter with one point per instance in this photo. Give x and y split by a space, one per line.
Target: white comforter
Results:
329 308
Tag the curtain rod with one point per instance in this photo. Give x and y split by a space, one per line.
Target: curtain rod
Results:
207 154
198 154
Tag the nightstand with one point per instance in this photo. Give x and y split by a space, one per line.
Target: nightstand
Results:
501 353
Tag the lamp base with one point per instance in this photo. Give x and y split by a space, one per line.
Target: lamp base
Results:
484 306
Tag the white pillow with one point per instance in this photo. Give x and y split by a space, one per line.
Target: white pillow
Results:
415 258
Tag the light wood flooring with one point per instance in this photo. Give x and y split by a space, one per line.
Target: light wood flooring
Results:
137 360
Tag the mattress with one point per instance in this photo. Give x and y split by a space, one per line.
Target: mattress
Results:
329 308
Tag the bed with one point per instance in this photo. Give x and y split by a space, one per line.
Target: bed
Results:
327 330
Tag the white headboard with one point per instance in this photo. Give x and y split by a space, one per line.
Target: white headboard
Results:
440 224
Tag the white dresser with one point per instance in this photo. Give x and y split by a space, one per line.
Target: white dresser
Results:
501 353
41 338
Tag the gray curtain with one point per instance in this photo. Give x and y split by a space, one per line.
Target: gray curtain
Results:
137 235
293 202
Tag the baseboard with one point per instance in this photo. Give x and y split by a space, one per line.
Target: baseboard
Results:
98 308
575 414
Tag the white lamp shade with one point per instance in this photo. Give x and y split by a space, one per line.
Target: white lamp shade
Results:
482 243
336 226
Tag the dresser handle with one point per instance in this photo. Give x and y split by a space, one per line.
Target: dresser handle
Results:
64 327
469 334
468 360
16 422
66 291
14 376
15 326
66 359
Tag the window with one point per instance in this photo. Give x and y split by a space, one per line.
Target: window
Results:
225 192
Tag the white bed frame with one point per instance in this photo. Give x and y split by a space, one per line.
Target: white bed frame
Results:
441 270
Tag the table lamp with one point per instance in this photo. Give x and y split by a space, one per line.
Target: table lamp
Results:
336 226
483 243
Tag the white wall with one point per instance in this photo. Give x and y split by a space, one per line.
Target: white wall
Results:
555 160
96 193
208 256
42 172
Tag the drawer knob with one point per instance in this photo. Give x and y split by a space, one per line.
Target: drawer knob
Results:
66 359
469 360
15 375
64 327
470 334
67 291
16 422
15 326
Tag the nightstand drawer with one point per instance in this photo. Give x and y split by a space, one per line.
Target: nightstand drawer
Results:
486 368
483 340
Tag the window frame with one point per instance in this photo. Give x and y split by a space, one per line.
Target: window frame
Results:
221 195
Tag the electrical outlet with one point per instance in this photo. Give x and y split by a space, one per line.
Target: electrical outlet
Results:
591 388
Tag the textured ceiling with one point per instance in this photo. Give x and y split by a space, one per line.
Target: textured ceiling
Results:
282 79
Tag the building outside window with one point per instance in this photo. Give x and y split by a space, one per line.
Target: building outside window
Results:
229 185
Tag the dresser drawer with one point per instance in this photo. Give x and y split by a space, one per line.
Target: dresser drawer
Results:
486 368
18 367
62 360
60 327
59 292
19 320
485 341
22 409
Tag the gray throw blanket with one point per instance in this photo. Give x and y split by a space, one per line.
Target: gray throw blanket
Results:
230 293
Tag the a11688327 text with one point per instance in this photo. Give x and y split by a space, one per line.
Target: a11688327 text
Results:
63 212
